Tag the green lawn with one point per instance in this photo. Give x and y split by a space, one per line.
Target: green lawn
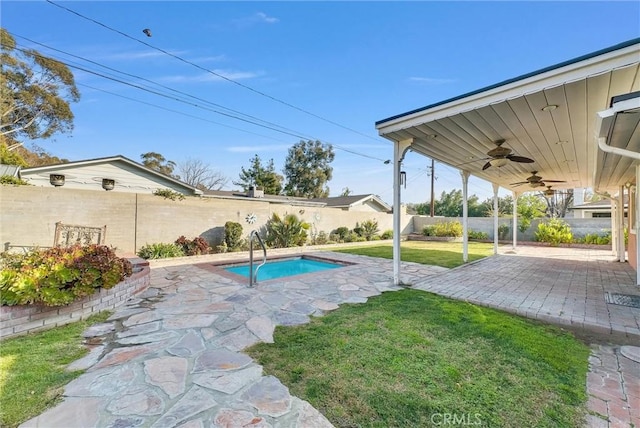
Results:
410 358
32 374
445 254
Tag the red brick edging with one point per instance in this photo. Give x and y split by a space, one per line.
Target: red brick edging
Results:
23 319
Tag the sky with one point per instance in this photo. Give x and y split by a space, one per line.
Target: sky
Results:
223 81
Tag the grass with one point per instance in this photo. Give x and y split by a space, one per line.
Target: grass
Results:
32 369
445 254
409 358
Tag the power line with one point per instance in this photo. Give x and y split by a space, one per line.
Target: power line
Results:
228 79
234 115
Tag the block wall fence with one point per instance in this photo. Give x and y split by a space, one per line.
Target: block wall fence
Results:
28 215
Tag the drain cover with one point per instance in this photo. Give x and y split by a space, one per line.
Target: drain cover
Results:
623 299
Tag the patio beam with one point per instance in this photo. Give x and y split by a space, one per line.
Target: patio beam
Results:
399 150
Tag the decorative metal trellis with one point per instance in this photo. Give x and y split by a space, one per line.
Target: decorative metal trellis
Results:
71 234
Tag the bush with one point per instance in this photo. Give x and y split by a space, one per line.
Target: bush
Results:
321 238
194 247
554 232
387 234
232 235
478 235
341 233
58 276
10 179
169 194
286 232
160 251
595 239
368 229
503 231
451 229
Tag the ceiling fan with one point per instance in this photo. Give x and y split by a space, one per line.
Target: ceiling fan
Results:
501 155
534 180
551 192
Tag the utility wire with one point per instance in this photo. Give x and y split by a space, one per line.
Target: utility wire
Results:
228 79
275 127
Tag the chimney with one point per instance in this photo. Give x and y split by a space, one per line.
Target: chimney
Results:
255 192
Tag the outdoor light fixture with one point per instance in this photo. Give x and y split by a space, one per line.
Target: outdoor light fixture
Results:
498 162
56 180
108 183
550 107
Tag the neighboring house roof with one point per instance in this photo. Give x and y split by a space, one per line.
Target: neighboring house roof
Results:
347 202
118 160
343 202
603 204
12 170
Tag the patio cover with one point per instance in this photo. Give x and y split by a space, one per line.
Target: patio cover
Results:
550 115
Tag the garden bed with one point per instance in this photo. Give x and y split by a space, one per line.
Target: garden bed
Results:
23 319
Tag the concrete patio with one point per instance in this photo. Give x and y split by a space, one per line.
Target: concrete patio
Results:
173 356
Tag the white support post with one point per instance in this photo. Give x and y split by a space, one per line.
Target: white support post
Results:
515 220
399 149
614 227
637 223
465 216
622 257
495 218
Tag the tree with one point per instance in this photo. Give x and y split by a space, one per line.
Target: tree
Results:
450 205
35 93
558 203
260 176
157 162
307 169
200 175
530 206
505 206
346 192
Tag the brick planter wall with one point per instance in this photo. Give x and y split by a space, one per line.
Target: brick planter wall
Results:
18 320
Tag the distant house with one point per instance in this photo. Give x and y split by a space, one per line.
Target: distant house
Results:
365 203
115 173
598 209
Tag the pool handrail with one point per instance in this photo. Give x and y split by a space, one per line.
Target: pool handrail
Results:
253 276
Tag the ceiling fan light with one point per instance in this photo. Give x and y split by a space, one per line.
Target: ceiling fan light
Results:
498 162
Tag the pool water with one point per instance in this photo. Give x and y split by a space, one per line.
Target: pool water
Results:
283 268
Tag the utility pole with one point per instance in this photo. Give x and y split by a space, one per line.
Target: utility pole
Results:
433 206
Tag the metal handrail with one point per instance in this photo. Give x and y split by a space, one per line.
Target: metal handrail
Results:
253 276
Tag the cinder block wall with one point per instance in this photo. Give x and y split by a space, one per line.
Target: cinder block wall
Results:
28 215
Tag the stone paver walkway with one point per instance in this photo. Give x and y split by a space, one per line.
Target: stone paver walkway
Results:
171 358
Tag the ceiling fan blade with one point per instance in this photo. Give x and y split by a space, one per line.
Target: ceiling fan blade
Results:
554 181
520 159
486 165
519 183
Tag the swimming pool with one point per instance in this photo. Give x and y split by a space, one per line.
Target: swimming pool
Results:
283 268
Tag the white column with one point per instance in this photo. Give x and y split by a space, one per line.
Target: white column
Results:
495 218
614 227
465 216
399 149
515 220
620 232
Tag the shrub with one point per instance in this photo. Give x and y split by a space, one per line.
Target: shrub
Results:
503 231
595 239
285 232
160 251
478 235
232 235
194 247
451 229
387 234
342 232
554 231
10 179
369 229
169 194
59 275
321 238
358 230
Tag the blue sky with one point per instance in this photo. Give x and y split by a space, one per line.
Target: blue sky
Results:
349 64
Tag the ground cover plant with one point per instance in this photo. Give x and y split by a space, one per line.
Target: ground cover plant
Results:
32 373
445 254
409 358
